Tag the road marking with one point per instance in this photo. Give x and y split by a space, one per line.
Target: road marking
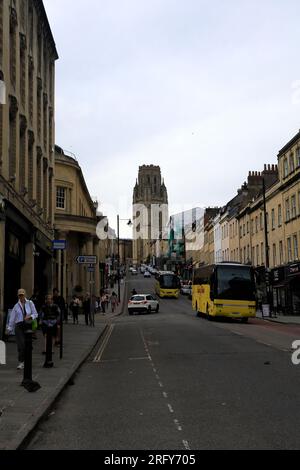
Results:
165 394
160 384
186 445
138 359
179 428
103 345
170 408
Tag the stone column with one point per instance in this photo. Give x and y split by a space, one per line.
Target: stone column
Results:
27 271
62 263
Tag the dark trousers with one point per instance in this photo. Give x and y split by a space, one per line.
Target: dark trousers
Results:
75 314
20 338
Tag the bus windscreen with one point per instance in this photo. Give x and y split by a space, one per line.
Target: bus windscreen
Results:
167 281
234 283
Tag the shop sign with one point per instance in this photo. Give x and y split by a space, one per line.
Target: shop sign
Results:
294 269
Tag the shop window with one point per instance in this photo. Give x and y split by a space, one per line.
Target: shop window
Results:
274 255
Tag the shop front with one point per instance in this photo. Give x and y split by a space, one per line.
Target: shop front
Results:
293 282
286 289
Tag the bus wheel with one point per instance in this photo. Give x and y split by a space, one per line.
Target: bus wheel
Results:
208 315
245 320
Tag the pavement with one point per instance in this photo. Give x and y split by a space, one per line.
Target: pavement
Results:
20 410
284 319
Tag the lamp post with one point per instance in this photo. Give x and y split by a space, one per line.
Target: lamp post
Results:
118 261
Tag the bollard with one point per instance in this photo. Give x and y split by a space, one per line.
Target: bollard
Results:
48 361
28 383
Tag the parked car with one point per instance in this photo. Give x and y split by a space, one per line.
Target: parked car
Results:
143 303
134 272
147 274
186 289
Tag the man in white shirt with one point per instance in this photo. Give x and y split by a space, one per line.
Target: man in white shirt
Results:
23 311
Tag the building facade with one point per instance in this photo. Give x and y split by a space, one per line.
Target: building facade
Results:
27 70
150 213
76 222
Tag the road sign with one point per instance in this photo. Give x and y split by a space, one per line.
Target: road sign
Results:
90 269
86 259
59 244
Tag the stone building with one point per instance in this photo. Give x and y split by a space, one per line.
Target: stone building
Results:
150 212
27 70
76 222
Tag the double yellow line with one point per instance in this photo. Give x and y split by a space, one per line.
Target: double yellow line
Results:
103 345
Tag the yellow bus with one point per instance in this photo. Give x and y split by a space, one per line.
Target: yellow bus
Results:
224 290
167 284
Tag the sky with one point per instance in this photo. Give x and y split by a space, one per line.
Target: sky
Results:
207 90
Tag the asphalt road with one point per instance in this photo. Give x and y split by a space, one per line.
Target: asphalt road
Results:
170 381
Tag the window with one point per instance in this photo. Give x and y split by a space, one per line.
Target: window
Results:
285 168
295 245
292 162
293 206
280 252
279 215
289 249
257 255
273 218
247 226
287 210
274 254
298 157
60 198
256 224
261 221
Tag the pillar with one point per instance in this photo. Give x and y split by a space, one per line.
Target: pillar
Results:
27 271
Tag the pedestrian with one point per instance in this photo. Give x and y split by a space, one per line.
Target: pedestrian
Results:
133 292
60 302
114 301
20 320
103 302
86 305
74 306
38 301
50 317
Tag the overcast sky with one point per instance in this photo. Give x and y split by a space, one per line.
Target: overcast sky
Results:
207 90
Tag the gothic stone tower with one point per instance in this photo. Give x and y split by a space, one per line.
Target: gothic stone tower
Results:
150 213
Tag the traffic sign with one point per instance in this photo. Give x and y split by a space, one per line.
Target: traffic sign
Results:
59 244
86 259
90 269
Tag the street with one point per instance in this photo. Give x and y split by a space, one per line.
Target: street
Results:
171 380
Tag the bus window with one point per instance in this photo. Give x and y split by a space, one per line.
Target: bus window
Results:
234 283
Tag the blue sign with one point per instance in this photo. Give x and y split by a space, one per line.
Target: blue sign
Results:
59 244
90 269
86 259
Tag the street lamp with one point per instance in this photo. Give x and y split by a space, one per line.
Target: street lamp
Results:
129 223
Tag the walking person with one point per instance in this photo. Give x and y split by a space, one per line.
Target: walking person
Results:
86 305
22 315
103 302
74 306
50 317
114 301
